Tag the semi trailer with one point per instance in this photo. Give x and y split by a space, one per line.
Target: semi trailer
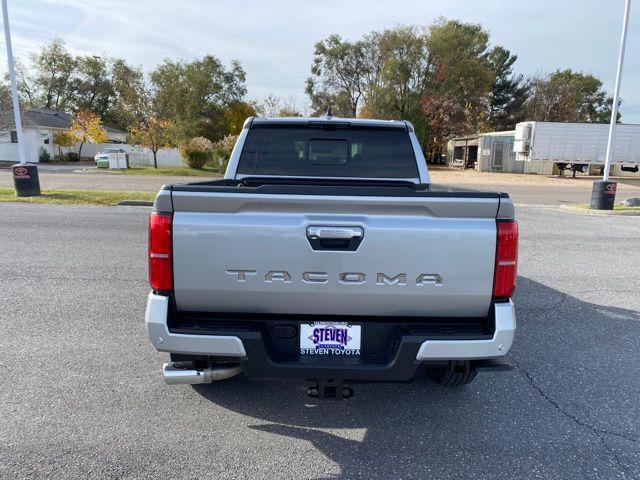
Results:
577 146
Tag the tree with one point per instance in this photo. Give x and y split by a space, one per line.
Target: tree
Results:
269 106
50 85
337 76
236 114
196 94
154 133
87 127
402 74
92 85
568 96
130 95
460 80
59 81
273 106
509 92
64 139
439 78
289 111
6 106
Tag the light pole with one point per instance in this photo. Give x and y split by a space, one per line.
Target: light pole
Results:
603 195
25 176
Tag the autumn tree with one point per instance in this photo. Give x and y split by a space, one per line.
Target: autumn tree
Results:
460 80
64 139
235 116
438 78
87 127
153 133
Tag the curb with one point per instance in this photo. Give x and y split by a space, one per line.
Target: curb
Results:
601 213
135 203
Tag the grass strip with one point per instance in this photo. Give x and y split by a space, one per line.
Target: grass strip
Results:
77 197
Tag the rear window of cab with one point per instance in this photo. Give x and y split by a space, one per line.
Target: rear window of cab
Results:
367 152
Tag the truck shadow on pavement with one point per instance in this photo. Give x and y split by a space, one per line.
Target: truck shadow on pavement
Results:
568 409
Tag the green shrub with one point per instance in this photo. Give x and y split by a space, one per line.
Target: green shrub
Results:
73 157
197 152
45 156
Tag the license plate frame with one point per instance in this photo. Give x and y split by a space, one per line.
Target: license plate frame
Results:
330 339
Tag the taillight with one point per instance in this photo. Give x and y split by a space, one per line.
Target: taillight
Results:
160 274
506 269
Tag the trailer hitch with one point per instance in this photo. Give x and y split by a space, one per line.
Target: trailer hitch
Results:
329 389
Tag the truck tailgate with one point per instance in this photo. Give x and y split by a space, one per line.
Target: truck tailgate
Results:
430 255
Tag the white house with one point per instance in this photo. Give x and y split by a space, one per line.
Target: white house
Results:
39 125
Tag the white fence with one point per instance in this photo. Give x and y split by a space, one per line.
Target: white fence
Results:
167 157
90 150
9 152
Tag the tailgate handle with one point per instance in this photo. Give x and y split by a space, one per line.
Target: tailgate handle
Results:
339 238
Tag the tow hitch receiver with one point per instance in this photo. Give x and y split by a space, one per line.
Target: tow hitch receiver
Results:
329 389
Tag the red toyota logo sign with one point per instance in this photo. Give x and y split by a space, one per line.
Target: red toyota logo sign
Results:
611 188
21 171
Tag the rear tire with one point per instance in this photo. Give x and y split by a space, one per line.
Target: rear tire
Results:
455 374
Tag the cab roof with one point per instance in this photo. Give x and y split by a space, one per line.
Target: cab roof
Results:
328 120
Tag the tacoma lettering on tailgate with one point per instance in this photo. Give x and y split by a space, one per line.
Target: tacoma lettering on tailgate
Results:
347 278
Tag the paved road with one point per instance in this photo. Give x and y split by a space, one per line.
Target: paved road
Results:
524 189
82 396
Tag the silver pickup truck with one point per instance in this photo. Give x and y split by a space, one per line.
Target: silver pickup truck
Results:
325 254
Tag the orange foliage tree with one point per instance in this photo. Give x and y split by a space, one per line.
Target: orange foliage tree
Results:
154 133
87 127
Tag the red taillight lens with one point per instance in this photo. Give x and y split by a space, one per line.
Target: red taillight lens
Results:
506 270
160 274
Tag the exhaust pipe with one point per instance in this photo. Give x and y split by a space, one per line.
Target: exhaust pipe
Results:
181 373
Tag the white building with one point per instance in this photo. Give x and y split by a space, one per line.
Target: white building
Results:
39 125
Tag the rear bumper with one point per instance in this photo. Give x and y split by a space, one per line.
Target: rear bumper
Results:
249 348
156 318
497 346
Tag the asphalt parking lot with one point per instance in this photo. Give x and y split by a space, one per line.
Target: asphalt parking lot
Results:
82 394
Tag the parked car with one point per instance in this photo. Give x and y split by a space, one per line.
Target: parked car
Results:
104 154
326 254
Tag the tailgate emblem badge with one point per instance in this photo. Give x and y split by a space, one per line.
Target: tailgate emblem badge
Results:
345 278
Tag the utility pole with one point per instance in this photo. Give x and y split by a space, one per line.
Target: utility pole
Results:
603 195
25 176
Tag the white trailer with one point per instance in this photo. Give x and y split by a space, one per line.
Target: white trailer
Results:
577 145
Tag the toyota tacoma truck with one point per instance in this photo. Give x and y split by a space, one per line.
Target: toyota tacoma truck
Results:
325 254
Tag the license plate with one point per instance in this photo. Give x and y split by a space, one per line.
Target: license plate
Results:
327 338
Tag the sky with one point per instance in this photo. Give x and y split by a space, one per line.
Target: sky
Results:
274 39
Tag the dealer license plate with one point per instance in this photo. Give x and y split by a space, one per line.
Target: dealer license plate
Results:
326 338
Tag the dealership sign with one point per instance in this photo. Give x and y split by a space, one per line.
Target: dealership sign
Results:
21 173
